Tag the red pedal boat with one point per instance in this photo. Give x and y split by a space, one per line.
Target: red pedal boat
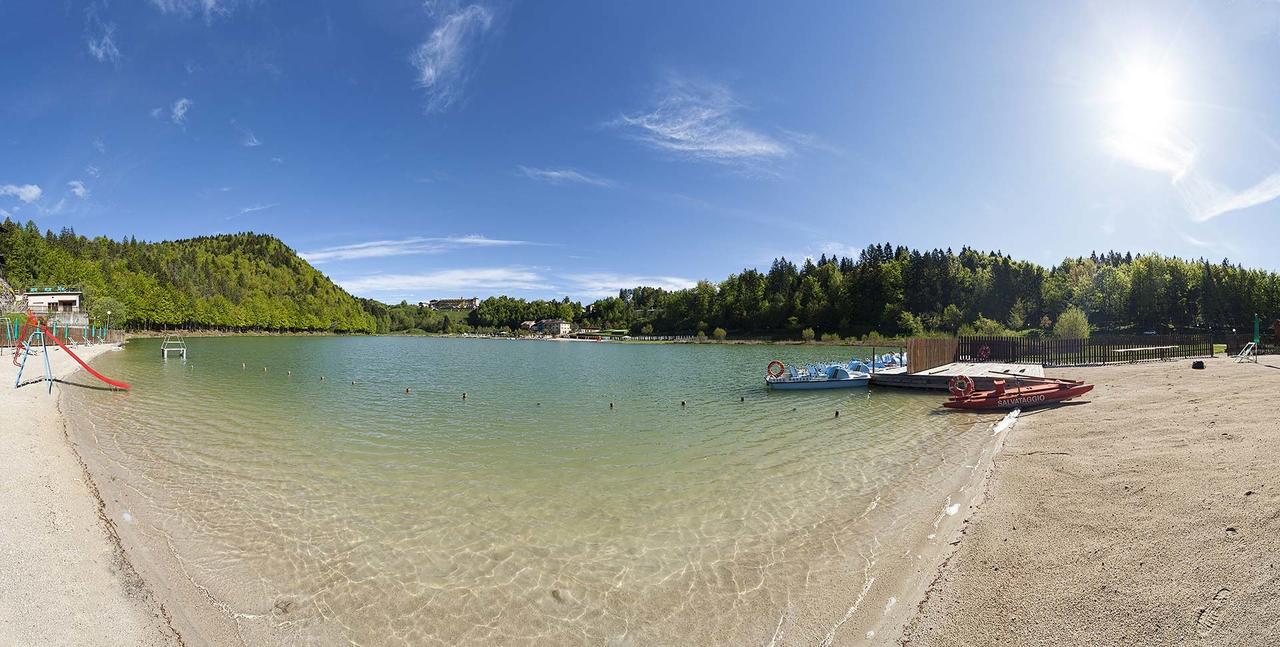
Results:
1044 391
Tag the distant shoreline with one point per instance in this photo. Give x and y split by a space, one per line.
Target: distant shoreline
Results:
153 334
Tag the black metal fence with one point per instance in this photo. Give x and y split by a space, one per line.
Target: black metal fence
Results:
1080 352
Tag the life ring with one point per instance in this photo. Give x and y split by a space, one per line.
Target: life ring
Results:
776 368
984 353
961 386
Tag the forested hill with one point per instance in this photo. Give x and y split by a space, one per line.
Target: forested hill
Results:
896 290
234 281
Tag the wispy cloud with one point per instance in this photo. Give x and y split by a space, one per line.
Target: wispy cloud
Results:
256 208
208 8
455 281
78 189
4 213
178 112
92 171
27 193
562 176
700 121
1207 199
444 59
99 145
247 138
100 37
278 161
406 247
603 284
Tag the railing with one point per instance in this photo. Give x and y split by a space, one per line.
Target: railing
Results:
1080 352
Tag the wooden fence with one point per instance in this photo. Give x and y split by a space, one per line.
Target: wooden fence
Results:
1081 352
924 353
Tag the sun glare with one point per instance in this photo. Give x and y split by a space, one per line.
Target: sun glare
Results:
1143 102
1143 112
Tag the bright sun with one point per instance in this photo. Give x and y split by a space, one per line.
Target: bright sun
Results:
1143 102
1143 113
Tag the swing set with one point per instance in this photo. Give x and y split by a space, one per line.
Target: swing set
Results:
34 334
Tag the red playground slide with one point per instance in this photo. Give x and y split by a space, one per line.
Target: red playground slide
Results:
32 322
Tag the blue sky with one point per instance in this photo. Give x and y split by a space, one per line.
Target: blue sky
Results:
417 150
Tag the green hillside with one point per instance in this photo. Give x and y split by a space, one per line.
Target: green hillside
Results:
236 281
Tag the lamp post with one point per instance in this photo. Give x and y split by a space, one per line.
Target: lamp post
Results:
108 322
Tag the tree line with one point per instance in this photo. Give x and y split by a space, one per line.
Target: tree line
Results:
894 290
249 281
240 281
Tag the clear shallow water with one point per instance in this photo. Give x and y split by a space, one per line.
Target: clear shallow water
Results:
319 511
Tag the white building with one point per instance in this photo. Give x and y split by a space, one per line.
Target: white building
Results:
57 304
554 327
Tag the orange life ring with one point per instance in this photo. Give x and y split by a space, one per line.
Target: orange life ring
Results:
961 386
776 368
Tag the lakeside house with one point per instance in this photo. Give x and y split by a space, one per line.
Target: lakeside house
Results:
57 304
554 327
452 304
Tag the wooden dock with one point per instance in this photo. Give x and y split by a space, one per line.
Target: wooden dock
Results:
939 377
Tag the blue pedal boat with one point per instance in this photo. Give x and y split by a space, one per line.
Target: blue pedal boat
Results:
817 376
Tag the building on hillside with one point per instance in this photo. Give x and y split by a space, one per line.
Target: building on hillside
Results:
452 304
58 304
554 327
528 325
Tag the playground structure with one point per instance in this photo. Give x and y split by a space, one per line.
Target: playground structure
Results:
173 344
33 334
1250 351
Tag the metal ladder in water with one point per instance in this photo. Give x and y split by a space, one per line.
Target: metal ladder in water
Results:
173 344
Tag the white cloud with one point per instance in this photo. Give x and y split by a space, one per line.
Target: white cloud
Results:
186 8
92 171
699 121
247 138
1206 199
27 193
156 112
257 207
4 213
457 281
562 176
405 247
178 112
99 145
279 161
78 189
1161 154
604 284
443 59
102 46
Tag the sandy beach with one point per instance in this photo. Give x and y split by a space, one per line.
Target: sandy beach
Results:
64 578
1150 515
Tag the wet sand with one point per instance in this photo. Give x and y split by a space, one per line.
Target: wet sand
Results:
1150 515
64 578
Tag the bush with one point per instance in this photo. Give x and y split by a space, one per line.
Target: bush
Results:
985 326
646 329
702 335
831 337
952 318
807 334
910 324
719 334
1073 323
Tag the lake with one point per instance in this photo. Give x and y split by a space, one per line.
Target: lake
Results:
581 493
